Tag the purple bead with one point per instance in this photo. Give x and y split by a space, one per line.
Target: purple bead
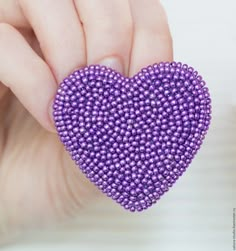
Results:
133 137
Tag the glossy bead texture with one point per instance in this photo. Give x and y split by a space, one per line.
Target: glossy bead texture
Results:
133 137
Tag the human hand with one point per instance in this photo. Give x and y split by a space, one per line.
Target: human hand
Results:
41 42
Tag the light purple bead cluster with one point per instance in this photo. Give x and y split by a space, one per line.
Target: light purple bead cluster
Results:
133 137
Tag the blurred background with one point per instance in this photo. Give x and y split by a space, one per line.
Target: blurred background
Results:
197 214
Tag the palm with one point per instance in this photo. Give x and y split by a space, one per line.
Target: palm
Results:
38 181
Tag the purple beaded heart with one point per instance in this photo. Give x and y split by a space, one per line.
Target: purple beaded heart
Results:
133 137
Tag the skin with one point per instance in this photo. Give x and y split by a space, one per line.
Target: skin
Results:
41 42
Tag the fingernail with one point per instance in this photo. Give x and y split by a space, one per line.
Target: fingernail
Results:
114 63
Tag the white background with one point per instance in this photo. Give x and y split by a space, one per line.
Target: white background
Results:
197 214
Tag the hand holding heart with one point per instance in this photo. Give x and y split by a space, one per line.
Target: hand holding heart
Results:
41 42
133 137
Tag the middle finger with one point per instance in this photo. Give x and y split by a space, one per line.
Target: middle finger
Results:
108 31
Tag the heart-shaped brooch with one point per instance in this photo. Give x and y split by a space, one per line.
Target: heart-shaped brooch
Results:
133 137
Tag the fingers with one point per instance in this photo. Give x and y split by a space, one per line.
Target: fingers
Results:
152 41
59 32
26 74
10 12
108 27
108 30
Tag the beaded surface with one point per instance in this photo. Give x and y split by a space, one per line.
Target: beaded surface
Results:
133 137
